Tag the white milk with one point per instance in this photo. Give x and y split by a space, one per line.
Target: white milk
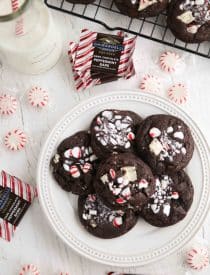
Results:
31 43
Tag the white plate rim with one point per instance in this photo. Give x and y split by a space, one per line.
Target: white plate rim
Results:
84 249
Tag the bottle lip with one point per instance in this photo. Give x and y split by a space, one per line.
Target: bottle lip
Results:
14 14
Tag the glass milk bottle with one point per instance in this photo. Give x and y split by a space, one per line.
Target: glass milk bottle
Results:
29 40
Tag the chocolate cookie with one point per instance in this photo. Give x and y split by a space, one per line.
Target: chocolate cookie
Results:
171 201
190 20
103 222
74 164
165 143
141 8
114 131
123 180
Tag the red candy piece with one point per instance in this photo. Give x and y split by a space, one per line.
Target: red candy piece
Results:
112 173
76 152
74 171
120 201
131 136
98 120
117 222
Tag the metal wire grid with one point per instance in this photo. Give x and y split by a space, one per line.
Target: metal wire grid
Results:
104 12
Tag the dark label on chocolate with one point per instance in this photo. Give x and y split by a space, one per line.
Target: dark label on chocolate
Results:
12 207
107 53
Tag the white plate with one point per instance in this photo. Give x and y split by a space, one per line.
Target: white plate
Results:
144 243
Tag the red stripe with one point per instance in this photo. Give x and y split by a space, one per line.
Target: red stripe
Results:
28 191
4 178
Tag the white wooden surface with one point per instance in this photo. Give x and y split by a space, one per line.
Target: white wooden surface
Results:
34 241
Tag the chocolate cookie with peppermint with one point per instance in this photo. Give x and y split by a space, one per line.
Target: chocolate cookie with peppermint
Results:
190 20
141 8
165 143
101 221
114 131
74 164
124 180
171 201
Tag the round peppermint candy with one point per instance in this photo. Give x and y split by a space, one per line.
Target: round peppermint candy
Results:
150 84
8 104
198 258
29 269
170 61
15 140
38 97
178 93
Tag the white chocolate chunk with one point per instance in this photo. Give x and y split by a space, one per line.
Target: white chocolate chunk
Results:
130 173
56 158
107 114
66 167
170 129
166 209
155 208
193 29
186 17
155 146
104 178
179 135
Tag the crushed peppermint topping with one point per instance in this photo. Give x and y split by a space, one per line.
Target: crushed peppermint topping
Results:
114 129
163 195
78 160
200 13
95 212
124 183
167 144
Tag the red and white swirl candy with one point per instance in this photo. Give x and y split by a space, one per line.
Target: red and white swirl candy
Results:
29 269
150 84
15 140
178 93
38 97
170 61
8 104
198 258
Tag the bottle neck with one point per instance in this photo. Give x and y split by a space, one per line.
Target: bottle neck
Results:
17 11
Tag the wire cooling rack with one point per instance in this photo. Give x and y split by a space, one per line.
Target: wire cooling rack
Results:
104 12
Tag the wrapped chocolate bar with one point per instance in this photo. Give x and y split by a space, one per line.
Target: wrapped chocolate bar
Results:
15 199
100 58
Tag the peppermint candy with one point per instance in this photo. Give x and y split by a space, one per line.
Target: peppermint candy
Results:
198 258
86 168
8 104
74 171
38 97
117 222
154 132
170 61
178 93
29 269
150 84
15 140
